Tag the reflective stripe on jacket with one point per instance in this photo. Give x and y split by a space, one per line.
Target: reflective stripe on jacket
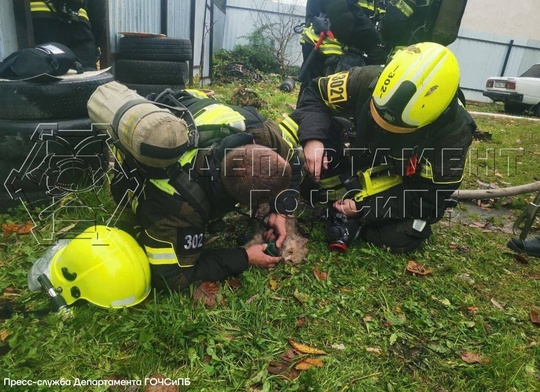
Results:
39 7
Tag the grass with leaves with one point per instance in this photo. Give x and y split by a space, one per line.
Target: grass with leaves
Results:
464 325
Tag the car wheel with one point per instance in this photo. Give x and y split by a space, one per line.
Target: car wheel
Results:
513 108
536 110
66 98
155 48
30 165
151 72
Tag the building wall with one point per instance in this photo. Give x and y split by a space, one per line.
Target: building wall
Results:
513 19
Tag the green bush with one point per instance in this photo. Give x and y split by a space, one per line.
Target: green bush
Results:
258 53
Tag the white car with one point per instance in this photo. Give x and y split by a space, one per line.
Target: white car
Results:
517 93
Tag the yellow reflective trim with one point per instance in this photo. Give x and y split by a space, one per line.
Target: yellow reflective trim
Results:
164 186
162 256
289 132
328 46
426 171
197 93
40 6
188 157
219 114
403 7
330 182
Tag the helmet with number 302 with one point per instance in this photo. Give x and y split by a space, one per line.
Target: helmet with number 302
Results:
415 88
104 266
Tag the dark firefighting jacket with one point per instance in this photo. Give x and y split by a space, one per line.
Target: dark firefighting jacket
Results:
174 228
431 161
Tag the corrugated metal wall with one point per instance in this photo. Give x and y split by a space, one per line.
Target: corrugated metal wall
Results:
242 21
8 38
482 55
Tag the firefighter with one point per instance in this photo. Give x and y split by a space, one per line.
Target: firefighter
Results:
78 24
253 163
349 37
408 154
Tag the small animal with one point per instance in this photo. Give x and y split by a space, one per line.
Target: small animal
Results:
294 249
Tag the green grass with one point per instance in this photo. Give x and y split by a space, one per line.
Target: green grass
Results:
383 329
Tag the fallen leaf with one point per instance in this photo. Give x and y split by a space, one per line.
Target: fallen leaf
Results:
522 258
9 228
302 298
207 294
416 268
273 284
234 283
252 298
345 290
282 369
302 366
367 318
535 315
376 351
300 321
319 275
338 346
473 310
289 355
315 362
471 358
304 348
496 304
4 334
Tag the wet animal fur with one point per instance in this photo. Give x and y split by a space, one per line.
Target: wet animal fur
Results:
294 249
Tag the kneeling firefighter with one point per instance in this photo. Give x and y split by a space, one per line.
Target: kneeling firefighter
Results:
408 155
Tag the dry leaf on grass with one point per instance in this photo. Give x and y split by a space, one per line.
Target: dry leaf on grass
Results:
535 315
273 284
522 258
25 228
207 294
320 275
300 321
304 348
373 350
418 269
301 297
472 310
282 369
471 358
496 304
4 334
308 363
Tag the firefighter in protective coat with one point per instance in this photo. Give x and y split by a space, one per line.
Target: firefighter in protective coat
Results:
408 154
256 162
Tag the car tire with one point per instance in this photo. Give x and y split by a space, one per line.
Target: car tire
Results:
536 110
15 147
66 98
513 108
155 48
151 72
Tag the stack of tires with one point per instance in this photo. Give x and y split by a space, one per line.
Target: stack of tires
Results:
29 163
151 64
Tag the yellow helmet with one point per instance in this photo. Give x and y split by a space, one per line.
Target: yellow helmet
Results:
415 87
104 266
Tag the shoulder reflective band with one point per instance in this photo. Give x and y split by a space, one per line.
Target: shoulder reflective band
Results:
289 132
40 6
